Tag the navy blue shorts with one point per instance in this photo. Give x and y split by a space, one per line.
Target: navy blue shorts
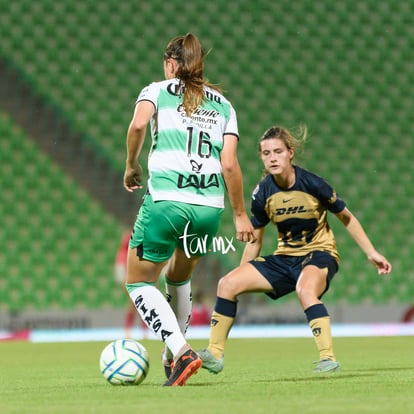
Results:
283 272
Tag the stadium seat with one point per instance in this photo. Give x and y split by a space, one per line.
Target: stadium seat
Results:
343 71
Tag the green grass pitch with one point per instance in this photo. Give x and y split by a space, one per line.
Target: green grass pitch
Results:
260 376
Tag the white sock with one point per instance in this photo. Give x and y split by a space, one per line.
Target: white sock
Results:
180 300
157 315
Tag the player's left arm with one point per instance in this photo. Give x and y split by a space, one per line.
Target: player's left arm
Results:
358 233
233 179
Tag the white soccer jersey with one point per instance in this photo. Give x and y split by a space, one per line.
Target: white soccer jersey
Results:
184 162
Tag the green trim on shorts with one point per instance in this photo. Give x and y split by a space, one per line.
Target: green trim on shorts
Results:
170 282
132 286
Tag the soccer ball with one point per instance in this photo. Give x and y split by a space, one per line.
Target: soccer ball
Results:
124 362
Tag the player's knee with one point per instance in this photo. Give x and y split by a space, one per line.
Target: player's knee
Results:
227 288
306 294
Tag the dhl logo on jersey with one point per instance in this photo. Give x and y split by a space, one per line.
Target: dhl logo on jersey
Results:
290 210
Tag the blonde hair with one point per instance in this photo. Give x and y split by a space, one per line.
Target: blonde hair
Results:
294 139
189 54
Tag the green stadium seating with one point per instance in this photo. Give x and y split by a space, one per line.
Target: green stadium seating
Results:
344 70
54 245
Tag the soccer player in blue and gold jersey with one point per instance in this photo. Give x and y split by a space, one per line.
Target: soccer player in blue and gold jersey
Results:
297 202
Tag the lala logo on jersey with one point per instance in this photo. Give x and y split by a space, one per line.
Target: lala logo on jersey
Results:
198 181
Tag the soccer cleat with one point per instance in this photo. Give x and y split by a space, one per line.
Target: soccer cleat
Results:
167 363
211 363
168 367
327 365
187 365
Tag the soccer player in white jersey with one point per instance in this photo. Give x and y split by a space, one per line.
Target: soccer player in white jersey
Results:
192 162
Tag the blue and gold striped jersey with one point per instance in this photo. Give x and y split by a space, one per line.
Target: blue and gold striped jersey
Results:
299 213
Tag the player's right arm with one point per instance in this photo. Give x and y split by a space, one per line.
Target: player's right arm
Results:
252 249
143 112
